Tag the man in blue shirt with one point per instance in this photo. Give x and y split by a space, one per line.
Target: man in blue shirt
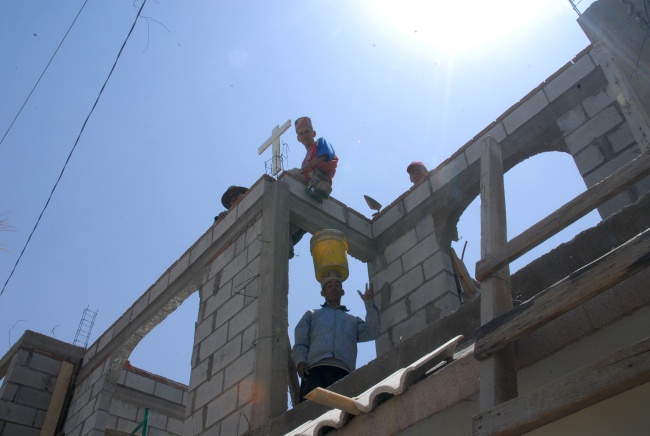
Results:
325 348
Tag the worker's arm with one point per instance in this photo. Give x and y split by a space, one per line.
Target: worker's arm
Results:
370 328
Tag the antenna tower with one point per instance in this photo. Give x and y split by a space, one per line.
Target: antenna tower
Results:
85 327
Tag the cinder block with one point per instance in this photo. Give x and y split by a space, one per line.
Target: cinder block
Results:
611 166
234 267
425 228
597 103
199 248
251 197
474 151
122 409
334 209
168 392
229 309
136 309
621 138
360 224
528 109
221 407
17 413
45 364
156 420
105 338
388 274
139 383
125 425
237 422
572 120
244 319
212 343
248 391
179 267
406 284
224 258
208 391
420 251
395 314
239 369
123 321
409 327
248 338
383 343
569 78
22 375
446 304
602 123
434 265
400 246
203 329
226 355
200 372
20 430
589 159
31 397
417 196
193 424
388 219
8 391
245 281
445 174
174 426
159 286
425 294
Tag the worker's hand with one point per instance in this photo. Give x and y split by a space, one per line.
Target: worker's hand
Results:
368 295
303 370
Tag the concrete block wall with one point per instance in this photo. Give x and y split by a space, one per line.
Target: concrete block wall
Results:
222 381
26 393
599 137
138 390
414 282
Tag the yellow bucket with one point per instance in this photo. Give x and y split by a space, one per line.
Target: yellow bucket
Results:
329 249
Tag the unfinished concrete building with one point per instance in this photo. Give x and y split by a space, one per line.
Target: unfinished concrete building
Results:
571 356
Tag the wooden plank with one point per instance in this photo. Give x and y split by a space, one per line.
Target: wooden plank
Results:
463 275
585 283
57 400
619 372
332 399
565 216
498 381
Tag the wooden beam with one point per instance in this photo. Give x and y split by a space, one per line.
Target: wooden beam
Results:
498 382
612 375
565 216
332 399
585 283
57 400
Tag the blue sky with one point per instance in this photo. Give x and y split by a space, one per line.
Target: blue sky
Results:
197 89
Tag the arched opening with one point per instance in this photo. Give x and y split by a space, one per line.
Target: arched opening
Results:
534 189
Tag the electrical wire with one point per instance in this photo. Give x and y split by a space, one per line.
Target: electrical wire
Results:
42 74
73 148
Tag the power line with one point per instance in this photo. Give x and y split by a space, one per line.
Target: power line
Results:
42 74
73 148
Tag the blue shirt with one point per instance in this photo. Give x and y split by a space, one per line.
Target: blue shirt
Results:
332 333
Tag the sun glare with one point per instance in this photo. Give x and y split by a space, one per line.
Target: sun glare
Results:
459 26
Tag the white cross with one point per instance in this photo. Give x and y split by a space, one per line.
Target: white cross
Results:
275 141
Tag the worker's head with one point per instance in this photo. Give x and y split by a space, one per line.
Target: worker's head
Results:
305 131
332 288
417 172
231 195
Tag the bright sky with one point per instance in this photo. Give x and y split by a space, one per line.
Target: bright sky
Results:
197 90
